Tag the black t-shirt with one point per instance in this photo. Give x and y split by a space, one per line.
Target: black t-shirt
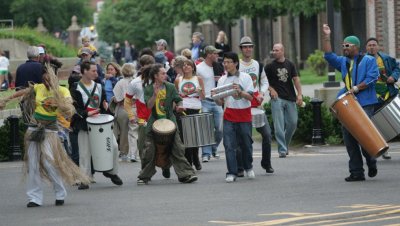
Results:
280 77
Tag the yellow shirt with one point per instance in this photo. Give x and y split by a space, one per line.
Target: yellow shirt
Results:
44 100
160 103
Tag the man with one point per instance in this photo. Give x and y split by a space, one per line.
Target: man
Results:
30 71
237 118
283 79
260 83
162 47
360 82
389 72
206 70
129 53
197 47
117 53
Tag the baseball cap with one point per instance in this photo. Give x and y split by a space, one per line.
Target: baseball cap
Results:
86 51
246 41
162 42
211 49
159 57
41 50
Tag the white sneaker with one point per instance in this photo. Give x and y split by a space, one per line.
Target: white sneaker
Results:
230 178
250 174
206 158
133 158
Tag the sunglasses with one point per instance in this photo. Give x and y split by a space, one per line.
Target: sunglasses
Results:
347 45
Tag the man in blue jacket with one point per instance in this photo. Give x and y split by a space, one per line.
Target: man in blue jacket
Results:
359 74
389 72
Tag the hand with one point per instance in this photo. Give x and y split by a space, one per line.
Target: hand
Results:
107 76
179 109
273 93
326 29
299 100
93 113
390 80
105 104
260 99
199 90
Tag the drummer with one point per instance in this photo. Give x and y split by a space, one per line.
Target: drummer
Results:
89 101
160 97
361 82
191 89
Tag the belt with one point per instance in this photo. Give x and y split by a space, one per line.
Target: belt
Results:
209 99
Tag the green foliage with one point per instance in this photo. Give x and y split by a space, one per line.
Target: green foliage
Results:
53 46
331 128
317 63
55 14
5 139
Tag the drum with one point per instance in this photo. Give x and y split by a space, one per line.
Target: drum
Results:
387 119
164 134
258 117
100 128
198 130
350 113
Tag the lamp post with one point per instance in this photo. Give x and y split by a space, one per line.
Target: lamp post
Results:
317 135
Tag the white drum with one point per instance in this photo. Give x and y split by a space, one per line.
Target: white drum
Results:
258 117
100 129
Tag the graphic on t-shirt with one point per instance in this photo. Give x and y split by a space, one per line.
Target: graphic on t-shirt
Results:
95 101
160 103
282 74
254 78
188 88
48 104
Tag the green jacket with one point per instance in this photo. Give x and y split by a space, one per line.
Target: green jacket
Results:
172 96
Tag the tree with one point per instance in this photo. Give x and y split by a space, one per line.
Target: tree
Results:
55 14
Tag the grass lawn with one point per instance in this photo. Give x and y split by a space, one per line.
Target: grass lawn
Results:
308 77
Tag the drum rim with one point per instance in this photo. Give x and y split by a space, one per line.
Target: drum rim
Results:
193 115
100 123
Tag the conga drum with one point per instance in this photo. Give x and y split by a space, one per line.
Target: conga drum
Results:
100 128
350 113
164 134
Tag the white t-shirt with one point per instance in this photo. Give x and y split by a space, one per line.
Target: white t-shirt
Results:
135 89
120 88
246 84
187 90
4 63
207 74
253 69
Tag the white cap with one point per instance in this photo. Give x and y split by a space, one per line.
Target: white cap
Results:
41 50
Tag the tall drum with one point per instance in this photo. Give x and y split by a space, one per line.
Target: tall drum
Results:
100 129
164 134
198 130
350 113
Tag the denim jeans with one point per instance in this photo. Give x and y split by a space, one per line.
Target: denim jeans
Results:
212 107
237 135
265 132
284 115
355 150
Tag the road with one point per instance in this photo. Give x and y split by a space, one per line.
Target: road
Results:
307 188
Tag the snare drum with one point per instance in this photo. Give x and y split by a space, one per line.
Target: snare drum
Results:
100 129
387 119
258 117
198 130
164 134
350 113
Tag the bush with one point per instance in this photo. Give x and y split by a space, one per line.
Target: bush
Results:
317 63
331 128
5 139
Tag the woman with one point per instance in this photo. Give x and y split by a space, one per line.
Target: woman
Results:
160 97
191 89
222 43
113 74
126 131
89 100
44 154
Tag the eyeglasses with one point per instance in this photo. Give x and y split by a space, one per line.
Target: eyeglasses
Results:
227 62
347 45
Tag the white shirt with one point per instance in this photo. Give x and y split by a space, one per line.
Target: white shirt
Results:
120 89
253 69
135 89
4 63
245 82
207 74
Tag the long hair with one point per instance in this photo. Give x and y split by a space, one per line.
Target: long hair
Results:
150 72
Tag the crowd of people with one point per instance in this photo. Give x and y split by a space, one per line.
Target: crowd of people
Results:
153 86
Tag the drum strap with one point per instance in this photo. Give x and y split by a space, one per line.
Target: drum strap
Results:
90 95
348 79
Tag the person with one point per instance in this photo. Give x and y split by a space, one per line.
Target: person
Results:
160 97
283 79
162 46
86 44
237 118
129 53
389 72
360 82
44 153
44 58
86 55
206 70
191 89
222 43
113 74
30 71
127 132
187 53
4 64
117 53
260 83
89 100
197 47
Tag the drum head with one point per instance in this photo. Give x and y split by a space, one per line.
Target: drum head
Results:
256 111
164 126
100 119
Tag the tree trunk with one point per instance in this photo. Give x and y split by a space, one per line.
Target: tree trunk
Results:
292 39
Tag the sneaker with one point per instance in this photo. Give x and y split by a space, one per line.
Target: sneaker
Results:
282 155
353 178
386 155
216 155
123 158
83 186
230 178
188 179
114 178
32 204
133 158
59 202
250 174
166 173
206 158
142 181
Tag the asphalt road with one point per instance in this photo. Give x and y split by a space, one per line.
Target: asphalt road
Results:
307 188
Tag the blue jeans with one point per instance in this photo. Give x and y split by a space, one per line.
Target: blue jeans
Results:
210 106
284 115
237 135
354 150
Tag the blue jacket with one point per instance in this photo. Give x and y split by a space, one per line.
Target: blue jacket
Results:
392 69
366 71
